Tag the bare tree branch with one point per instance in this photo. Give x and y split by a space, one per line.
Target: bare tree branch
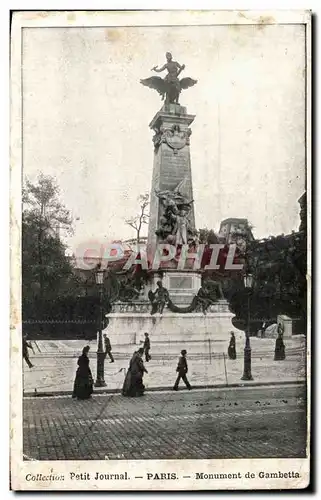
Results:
137 221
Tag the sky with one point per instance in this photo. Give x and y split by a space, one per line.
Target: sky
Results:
86 121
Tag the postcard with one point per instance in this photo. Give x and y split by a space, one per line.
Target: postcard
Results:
160 250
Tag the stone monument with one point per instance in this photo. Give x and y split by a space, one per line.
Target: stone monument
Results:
174 306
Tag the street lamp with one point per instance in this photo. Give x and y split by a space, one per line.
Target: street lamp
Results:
100 381
247 375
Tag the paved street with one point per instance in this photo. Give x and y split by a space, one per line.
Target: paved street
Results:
252 422
55 364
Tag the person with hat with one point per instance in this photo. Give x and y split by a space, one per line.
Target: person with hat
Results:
83 384
25 353
279 353
182 370
147 347
133 384
232 347
108 348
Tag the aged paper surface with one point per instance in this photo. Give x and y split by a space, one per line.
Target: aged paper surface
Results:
160 215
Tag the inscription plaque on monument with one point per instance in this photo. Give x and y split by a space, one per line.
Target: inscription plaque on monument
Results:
178 282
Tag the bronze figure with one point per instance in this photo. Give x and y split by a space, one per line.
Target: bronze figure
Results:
169 87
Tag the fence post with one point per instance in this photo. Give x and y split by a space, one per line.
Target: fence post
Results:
225 368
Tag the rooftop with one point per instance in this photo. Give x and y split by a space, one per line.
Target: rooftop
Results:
234 219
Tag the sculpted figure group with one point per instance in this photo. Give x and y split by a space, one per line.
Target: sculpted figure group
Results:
169 87
207 295
174 224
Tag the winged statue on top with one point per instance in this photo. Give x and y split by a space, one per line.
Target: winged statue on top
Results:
169 87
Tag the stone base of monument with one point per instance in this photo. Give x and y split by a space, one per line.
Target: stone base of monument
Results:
129 322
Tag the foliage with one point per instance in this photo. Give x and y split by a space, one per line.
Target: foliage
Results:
278 265
63 317
47 274
207 236
139 220
41 200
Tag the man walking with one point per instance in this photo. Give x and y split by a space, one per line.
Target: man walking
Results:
147 347
25 353
108 349
182 370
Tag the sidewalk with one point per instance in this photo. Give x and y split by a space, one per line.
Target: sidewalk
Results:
54 374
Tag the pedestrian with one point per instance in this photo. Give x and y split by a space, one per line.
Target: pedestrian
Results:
133 383
147 347
108 349
182 370
25 353
279 353
83 385
231 348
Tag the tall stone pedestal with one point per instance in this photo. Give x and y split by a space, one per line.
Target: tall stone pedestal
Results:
172 163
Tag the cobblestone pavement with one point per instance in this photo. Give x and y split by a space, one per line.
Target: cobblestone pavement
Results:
55 371
224 423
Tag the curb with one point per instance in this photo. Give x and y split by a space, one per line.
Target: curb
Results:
167 388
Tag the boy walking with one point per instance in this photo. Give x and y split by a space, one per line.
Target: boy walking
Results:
108 349
182 370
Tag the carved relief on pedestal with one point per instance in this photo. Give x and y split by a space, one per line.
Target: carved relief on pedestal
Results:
174 224
173 136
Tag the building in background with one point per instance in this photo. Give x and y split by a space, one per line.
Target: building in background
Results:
238 231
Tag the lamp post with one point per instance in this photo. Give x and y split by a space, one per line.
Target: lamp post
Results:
247 375
100 381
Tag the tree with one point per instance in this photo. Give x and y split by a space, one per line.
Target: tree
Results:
278 266
208 236
46 270
41 200
137 221
44 265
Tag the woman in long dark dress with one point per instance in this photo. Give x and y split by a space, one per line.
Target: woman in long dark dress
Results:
133 384
279 353
231 348
83 385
